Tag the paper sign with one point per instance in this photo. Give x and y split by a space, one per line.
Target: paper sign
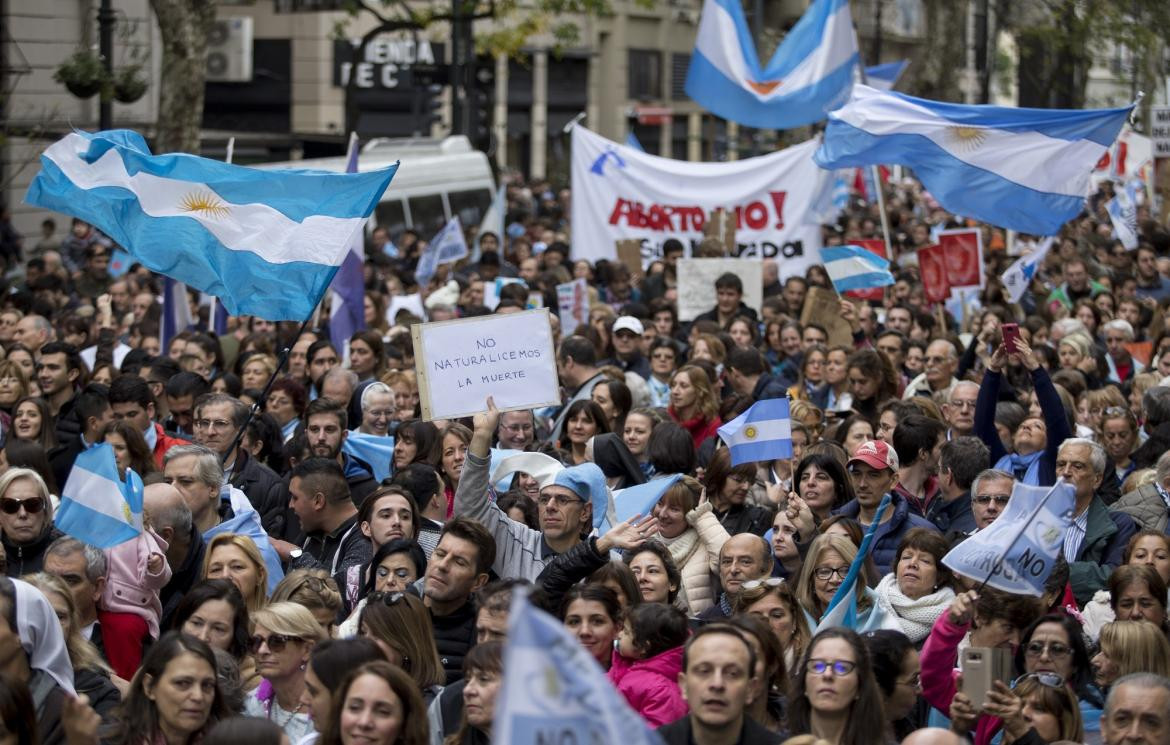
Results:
933 270
696 283
824 308
509 357
629 252
573 305
963 250
875 246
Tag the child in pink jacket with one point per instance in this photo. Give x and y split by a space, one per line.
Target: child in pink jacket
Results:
136 571
648 660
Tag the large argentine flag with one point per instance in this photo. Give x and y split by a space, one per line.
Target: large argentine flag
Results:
763 432
97 507
1022 169
809 75
854 268
266 243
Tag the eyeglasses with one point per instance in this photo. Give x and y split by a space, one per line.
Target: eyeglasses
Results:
839 667
753 584
986 499
212 424
31 506
962 405
1052 680
666 357
824 573
517 428
559 499
276 643
1054 649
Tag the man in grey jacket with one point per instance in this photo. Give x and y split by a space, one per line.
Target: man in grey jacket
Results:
567 508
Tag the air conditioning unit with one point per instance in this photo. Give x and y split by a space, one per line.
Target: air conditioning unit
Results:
229 51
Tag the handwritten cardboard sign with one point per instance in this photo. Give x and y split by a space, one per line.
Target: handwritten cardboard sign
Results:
824 307
509 357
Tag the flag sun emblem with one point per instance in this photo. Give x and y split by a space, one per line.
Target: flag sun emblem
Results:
750 432
967 138
205 202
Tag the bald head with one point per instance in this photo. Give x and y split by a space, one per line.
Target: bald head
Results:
744 557
167 511
932 736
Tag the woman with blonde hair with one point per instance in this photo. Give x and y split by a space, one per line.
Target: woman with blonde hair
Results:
824 569
693 403
256 370
400 624
283 636
1092 405
13 387
1130 647
236 558
693 535
91 675
314 589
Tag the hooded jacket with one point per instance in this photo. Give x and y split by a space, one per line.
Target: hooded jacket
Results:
651 685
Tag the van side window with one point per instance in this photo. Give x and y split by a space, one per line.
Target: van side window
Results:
391 215
426 214
470 206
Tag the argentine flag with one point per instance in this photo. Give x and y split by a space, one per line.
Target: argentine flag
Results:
854 268
266 243
885 77
97 507
763 432
809 75
637 500
842 610
1022 169
375 450
1017 277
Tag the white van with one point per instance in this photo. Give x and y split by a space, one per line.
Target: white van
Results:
437 180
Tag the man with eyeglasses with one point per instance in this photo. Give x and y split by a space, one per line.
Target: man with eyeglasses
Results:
873 469
938 376
517 430
991 491
959 409
1137 711
1095 541
742 558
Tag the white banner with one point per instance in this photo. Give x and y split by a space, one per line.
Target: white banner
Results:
779 200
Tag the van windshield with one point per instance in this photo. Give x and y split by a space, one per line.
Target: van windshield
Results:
470 206
426 214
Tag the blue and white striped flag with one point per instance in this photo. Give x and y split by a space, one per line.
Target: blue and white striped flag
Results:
347 312
638 500
246 522
97 507
763 432
266 243
885 77
809 75
854 268
1023 169
376 450
555 691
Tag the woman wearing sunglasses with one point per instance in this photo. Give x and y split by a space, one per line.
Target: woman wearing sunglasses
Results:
1039 708
834 695
1054 644
282 639
26 520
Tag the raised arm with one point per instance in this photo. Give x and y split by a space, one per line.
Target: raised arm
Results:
985 406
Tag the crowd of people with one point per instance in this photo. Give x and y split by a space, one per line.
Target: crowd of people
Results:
373 609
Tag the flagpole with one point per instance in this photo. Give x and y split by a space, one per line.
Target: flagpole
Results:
1023 526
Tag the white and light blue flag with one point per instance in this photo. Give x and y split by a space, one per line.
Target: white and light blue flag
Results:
1023 169
97 506
1122 211
885 77
763 432
1018 277
555 692
266 243
854 268
448 245
347 312
632 141
1016 553
376 450
638 500
809 75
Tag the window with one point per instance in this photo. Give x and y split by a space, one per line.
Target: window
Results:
427 215
469 206
645 69
679 64
391 216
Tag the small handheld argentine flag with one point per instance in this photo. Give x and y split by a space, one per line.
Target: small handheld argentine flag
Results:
763 432
97 507
854 268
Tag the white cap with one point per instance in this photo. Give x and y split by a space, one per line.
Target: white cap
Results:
628 323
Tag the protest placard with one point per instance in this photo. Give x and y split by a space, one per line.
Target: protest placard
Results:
412 304
933 270
696 283
963 249
509 357
824 307
573 305
629 252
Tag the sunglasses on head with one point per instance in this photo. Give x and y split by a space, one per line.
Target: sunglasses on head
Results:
1051 680
276 643
31 506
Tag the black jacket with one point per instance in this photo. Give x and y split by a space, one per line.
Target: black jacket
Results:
264 490
68 427
955 515
183 577
569 568
61 460
30 557
103 694
769 387
454 636
746 518
679 733
713 314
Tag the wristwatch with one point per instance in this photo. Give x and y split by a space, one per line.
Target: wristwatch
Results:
295 554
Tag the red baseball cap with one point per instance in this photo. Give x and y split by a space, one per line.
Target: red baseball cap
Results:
876 454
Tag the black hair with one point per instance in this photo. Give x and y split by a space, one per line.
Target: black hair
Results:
657 627
515 498
887 650
325 475
389 548
659 549
93 400
916 433
187 384
965 457
1082 676
130 389
835 471
671 449
333 659
420 480
727 630
745 360
217 589
593 592
251 730
729 281
580 349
